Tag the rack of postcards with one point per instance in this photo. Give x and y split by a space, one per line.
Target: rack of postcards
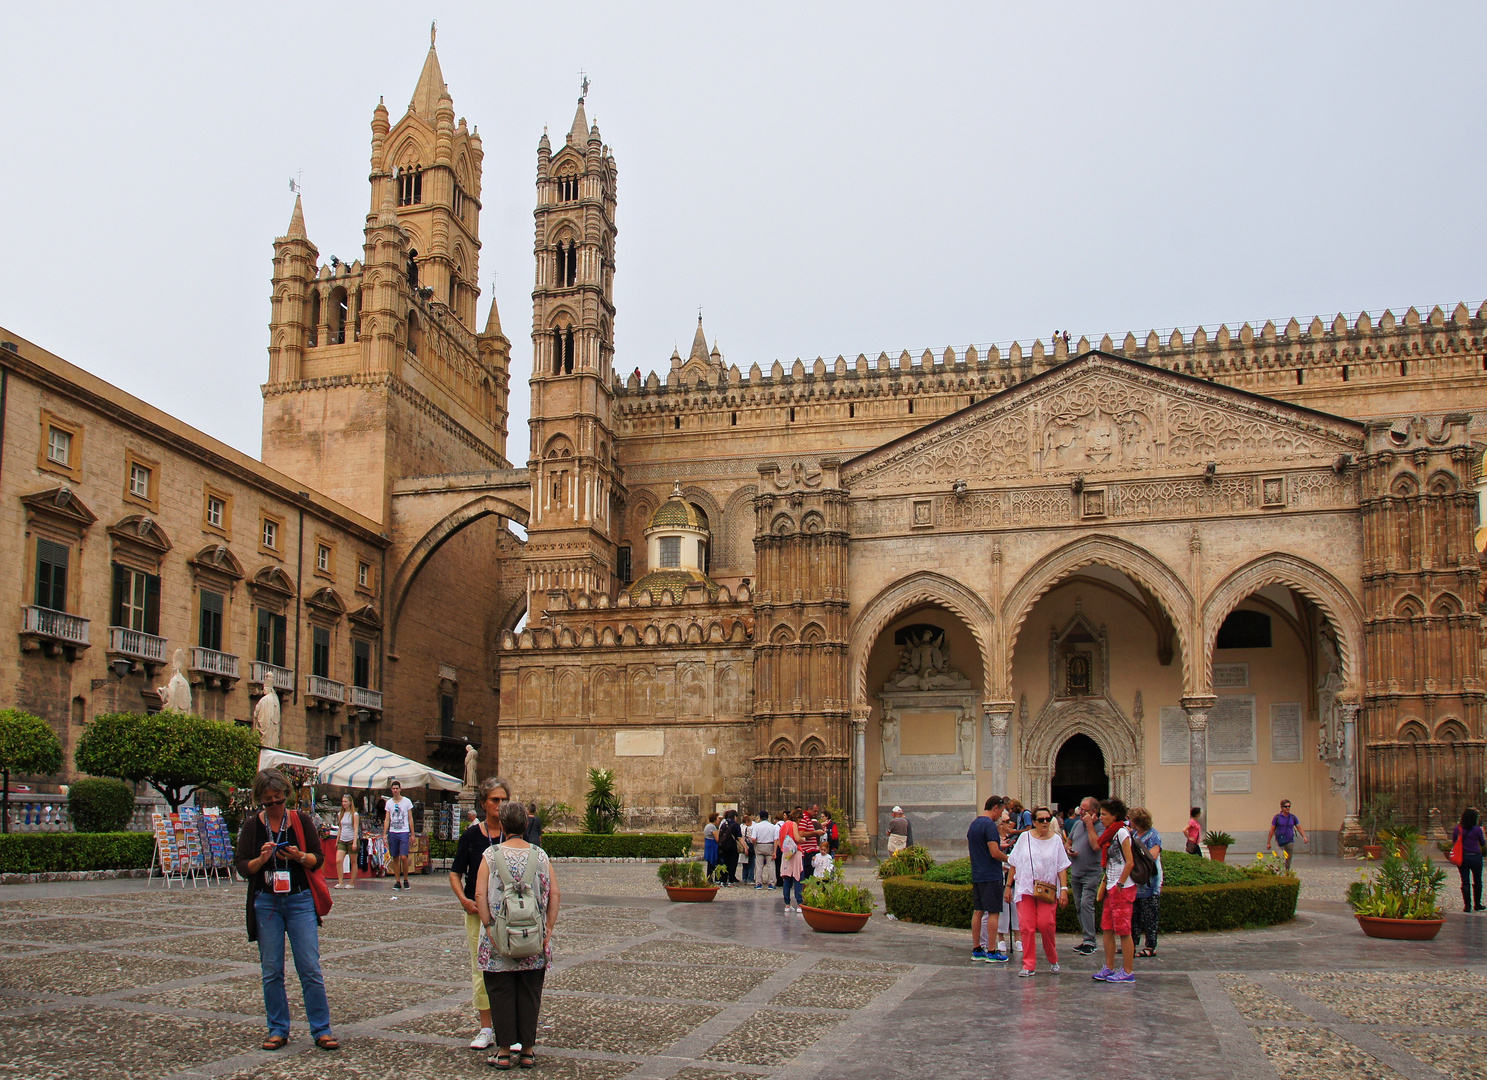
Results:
192 845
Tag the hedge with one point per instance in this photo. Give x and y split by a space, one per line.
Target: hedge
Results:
1180 868
617 845
100 805
1223 906
49 853
956 872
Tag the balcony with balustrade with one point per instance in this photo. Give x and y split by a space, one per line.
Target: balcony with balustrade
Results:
262 677
322 693
140 650
362 698
213 667
53 632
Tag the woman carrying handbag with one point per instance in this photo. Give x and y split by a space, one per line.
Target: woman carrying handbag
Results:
1467 842
1038 882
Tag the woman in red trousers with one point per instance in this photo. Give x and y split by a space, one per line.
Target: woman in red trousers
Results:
1037 881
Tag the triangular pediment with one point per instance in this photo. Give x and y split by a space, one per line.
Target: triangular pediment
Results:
1100 416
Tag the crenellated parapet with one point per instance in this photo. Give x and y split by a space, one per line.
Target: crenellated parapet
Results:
587 620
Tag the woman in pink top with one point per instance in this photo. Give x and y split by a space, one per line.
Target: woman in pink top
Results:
792 864
1194 831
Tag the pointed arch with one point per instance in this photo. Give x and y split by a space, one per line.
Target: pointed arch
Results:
924 587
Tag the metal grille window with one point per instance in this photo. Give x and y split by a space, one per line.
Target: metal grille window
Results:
671 552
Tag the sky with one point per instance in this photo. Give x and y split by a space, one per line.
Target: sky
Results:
820 179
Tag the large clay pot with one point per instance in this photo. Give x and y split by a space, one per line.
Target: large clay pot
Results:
1400 929
1216 852
684 894
834 922
1373 851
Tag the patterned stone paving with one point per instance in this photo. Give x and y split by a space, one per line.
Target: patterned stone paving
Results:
140 982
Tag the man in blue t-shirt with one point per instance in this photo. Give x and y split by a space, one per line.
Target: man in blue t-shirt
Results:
1283 829
985 843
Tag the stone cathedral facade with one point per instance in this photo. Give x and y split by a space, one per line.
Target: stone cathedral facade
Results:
1211 567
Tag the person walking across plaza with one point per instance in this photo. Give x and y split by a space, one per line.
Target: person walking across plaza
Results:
984 840
514 986
1117 891
729 838
1039 882
464 878
1085 872
281 906
348 833
791 859
897 831
399 833
1147 911
1284 828
710 844
1194 831
765 832
1473 841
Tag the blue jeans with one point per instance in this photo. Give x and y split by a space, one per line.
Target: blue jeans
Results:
292 914
787 883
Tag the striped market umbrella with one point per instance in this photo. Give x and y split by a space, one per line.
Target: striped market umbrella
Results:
370 766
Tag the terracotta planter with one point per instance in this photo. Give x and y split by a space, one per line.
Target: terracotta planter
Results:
683 894
1216 852
834 922
1400 929
1373 851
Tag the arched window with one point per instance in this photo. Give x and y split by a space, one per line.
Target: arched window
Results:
562 350
413 268
410 185
415 334
314 335
568 185
567 264
339 310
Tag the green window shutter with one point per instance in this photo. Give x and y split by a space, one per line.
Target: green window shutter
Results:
152 604
281 631
211 620
121 590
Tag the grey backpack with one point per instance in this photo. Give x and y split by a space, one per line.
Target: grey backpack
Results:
516 932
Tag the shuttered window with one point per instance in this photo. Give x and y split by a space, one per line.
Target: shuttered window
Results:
51 575
211 620
272 630
136 600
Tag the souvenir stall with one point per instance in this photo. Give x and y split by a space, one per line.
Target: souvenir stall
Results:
192 845
367 770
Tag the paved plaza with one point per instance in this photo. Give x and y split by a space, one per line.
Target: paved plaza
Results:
144 982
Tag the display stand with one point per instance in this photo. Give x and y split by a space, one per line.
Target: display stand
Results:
172 857
192 846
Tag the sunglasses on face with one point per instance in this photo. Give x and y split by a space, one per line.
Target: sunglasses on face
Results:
1041 820
273 802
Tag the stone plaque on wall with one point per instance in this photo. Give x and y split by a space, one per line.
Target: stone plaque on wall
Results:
1231 731
1285 731
1176 745
928 732
1229 781
649 742
1231 676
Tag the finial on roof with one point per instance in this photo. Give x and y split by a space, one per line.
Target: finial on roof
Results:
699 342
433 30
430 85
583 88
297 222
676 489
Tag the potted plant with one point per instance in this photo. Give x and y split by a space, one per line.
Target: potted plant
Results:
1400 900
1401 837
831 906
1218 843
686 882
1378 816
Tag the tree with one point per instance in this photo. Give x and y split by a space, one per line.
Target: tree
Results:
172 752
27 745
604 807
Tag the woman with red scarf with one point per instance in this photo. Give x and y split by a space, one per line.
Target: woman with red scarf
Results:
1118 891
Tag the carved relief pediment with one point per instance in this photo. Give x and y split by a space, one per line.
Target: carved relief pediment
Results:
1098 416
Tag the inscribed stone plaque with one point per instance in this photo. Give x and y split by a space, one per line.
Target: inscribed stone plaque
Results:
649 742
1229 781
1231 731
1285 731
1231 676
928 733
1176 745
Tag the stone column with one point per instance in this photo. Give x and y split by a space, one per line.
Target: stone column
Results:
1351 833
860 834
998 748
1198 709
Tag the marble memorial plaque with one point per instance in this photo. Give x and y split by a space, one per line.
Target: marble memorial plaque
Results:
650 742
1230 677
1285 731
1231 731
1176 745
1229 781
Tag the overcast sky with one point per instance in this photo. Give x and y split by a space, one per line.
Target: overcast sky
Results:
822 179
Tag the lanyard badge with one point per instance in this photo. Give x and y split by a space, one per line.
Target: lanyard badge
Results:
281 881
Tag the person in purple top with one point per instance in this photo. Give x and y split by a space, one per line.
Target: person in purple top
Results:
1283 830
1473 840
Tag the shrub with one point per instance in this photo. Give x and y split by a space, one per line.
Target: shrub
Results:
912 899
1179 869
831 893
172 752
100 805
603 805
442 849
617 845
48 853
950 873
683 875
910 862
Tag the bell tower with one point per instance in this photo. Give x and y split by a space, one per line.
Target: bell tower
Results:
576 483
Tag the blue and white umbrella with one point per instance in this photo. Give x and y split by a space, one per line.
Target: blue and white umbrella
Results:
370 766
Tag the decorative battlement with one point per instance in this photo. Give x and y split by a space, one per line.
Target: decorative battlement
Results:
584 620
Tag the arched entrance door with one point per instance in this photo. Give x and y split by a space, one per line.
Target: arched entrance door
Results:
1078 772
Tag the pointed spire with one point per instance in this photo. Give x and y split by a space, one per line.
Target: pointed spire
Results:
578 135
297 222
430 84
493 323
699 343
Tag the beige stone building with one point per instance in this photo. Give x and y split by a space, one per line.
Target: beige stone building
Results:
1197 567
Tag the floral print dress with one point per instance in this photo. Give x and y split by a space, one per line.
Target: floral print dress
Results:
523 868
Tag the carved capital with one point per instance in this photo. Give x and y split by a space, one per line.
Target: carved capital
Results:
1198 709
998 715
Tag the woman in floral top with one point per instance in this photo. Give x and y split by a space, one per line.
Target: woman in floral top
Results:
515 986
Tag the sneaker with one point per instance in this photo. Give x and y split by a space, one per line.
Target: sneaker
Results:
997 957
1103 975
758 886
1084 949
1053 968
483 1040
1121 977
1026 973
978 954
1019 946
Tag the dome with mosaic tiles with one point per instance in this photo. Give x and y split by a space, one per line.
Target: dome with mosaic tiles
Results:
677 512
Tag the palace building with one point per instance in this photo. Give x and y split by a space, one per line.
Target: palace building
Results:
1213 568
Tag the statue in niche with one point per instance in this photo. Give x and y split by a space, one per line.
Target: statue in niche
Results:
1330 740
923 664
889 743
472 769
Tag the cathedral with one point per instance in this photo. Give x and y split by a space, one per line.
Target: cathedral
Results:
1216 568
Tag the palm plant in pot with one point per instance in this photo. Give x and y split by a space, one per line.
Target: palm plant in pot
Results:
1400 900
1218 843
687 882
831 906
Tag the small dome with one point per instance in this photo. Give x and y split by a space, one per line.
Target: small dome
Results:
675 581
676 512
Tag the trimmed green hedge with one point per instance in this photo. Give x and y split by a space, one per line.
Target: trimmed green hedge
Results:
1222 906
617 845
956 872
1180 868
49 853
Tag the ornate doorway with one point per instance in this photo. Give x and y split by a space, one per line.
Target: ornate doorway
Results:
1079 771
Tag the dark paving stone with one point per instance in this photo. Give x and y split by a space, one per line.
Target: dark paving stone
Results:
657 980
695 951
691 1072
62 1044
824 991
446 958
69 905
772 1038
352 999
1256 1002
1319 1054
873 967
70 930
88 973
383 1058
617 1027
231 944
1460 1056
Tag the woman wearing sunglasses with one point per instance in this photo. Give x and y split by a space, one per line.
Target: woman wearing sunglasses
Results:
1037 882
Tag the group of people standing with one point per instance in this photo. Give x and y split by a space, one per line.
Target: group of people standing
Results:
1025 864
782 849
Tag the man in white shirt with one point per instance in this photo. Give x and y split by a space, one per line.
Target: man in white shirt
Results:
764 833
399 832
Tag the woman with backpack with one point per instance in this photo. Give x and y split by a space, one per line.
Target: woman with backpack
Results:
1148 907
517 899
792 863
